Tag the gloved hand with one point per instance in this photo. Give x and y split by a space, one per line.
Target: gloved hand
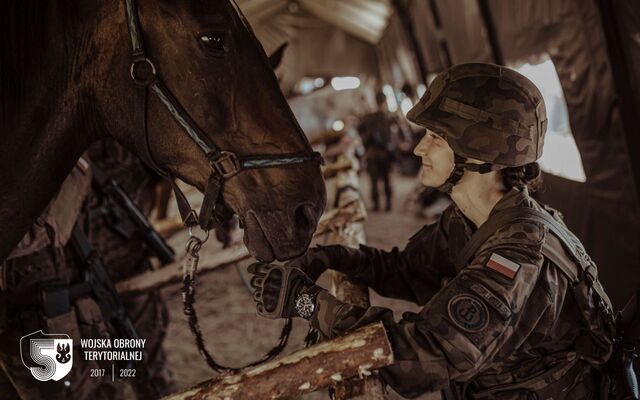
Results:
282 291
314 262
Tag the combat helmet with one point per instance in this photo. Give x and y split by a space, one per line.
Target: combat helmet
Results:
486 112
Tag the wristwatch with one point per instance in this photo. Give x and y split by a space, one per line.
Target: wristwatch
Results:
306 302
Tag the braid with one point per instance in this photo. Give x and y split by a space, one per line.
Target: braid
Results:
528 175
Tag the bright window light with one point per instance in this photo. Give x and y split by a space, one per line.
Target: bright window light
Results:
345 82
337 125
405 105
421 89
560 155
306 85
392 102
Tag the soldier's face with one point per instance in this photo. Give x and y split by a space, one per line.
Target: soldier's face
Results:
437 159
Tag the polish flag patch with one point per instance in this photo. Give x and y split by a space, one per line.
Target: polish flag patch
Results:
503 265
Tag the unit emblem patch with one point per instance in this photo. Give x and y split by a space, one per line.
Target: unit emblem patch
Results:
468 312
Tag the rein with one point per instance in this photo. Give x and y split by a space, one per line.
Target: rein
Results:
224 165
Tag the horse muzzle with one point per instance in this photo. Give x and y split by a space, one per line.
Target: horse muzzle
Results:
280 234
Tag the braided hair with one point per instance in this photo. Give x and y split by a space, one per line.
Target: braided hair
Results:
528 175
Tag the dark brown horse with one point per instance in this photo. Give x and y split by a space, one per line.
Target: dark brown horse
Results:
66 82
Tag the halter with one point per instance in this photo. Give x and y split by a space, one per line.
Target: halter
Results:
224 164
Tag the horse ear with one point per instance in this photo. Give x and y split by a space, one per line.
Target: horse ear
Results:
276 57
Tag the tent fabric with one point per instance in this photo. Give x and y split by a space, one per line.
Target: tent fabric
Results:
333 53
621 20
606 215
628 18
396 60
463 32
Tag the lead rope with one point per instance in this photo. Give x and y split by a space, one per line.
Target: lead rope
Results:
190 269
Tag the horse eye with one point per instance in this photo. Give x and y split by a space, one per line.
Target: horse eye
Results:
213 40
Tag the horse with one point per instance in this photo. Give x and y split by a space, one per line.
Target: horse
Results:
184 85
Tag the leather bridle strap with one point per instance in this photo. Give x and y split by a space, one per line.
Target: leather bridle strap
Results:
224 164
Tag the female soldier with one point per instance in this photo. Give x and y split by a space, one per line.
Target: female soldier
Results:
512 305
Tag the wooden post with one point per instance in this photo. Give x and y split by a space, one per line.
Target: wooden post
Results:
352 234
304 371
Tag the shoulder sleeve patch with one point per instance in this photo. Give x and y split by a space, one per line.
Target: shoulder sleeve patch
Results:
468 312
502 265
493 300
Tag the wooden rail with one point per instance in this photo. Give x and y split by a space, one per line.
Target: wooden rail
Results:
354 355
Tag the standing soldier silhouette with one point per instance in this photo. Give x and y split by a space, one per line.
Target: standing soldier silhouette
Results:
379 136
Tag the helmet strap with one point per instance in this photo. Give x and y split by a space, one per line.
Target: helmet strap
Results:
454 177
458 171
479 168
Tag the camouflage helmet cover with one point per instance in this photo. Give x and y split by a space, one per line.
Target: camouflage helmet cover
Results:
487 112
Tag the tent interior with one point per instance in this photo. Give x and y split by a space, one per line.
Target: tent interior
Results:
584 56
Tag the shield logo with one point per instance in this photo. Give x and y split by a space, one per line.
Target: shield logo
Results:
48 357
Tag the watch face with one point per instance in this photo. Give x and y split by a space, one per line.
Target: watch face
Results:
305 305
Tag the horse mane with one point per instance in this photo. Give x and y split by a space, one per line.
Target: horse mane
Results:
24 34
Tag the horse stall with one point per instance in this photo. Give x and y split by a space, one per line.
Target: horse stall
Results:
133 132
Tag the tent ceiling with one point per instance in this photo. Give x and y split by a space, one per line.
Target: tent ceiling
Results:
365 19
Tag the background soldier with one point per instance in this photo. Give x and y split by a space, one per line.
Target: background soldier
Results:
45 260
523 316
379 133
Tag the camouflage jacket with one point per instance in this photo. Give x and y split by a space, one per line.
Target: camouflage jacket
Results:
502 327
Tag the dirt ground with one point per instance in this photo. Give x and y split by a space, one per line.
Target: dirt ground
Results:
234 333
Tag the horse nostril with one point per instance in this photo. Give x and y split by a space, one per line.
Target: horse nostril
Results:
304 217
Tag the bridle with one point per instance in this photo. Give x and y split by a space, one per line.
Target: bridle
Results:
224 164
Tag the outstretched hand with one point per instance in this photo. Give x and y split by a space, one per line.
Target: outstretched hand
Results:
313 263
276 289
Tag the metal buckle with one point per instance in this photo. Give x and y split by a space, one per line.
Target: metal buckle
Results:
226 164
137 80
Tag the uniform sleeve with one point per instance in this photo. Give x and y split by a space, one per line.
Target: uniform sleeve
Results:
462 328
412 274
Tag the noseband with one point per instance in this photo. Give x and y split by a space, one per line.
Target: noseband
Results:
224 164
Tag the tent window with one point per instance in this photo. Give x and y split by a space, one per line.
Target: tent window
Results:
560 155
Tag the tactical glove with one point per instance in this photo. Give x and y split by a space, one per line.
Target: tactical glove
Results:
282 291
314 262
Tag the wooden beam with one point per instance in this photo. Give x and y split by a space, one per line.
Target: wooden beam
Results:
328 12
258 10
307 370
157 279
326 137
331 221
335 168
379 8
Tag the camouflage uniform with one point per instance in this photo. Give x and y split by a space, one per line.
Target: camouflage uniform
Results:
489 335
44 257
515 322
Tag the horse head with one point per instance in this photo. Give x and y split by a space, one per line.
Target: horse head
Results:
212 67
